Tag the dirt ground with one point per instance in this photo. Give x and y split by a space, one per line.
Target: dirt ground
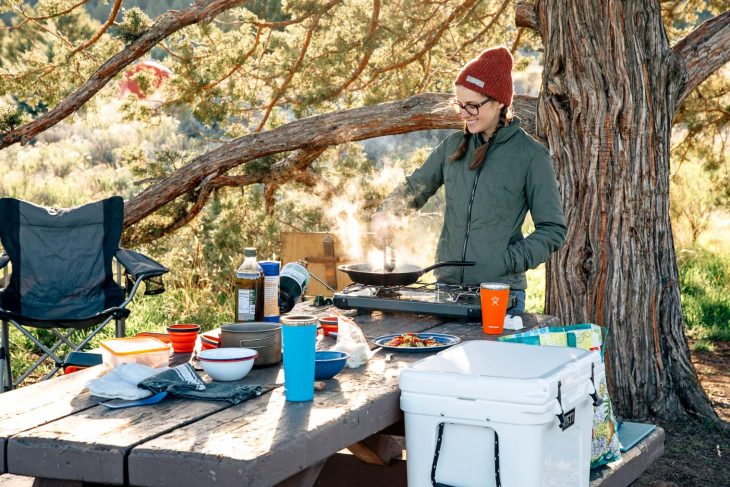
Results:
697 453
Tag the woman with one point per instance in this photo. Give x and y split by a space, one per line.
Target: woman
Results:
493 173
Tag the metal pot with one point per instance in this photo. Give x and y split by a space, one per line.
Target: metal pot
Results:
401 275
262 336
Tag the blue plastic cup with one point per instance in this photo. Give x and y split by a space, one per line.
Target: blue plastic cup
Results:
299 334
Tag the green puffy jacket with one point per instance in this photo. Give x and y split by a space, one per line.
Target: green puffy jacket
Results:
485 209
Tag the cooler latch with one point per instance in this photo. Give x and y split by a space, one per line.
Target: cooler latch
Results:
597 401
566 419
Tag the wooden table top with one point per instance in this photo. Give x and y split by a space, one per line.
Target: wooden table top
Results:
56 430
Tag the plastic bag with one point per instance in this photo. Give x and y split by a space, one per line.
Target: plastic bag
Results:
350 339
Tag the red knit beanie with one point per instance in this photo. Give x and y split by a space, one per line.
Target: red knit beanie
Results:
490 74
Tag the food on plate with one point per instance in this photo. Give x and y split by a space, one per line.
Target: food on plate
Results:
411 340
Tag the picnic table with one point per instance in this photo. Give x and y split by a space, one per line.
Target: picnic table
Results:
57 433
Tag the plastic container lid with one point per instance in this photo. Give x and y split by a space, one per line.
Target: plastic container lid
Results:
134 345
504 372
270 267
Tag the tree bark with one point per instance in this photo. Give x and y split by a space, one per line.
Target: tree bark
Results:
610 88
525 15
421 112
705 50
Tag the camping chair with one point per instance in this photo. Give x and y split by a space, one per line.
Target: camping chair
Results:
62 279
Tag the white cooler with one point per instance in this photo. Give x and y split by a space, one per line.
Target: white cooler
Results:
499 414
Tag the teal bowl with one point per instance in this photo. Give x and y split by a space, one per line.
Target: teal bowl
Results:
328 364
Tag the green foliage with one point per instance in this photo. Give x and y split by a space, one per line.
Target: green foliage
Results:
37 67
134 23
703 346
705 291
12 118
99 9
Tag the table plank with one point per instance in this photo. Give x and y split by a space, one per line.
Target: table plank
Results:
43 402
268 440
305 478
633 463
92 444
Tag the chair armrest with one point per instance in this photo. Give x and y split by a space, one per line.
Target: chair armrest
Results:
4 259
139 265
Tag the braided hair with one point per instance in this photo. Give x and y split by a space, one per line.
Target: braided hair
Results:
505 118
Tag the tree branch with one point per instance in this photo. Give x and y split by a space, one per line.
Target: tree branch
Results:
107 24
280 90
27 18
215 83
421 112
166 24
705 50
525 15
294 168
369 48
434 37
481 33
58 14
298 20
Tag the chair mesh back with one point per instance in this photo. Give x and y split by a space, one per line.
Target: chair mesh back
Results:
62 259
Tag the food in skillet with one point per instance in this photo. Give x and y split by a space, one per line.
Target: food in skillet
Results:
411 340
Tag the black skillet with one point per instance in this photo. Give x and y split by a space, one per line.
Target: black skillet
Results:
402 275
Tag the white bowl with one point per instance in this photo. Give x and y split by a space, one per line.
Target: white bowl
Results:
227 364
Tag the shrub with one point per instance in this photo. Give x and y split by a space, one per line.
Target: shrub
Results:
705 289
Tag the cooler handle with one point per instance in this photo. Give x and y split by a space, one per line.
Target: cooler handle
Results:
439 438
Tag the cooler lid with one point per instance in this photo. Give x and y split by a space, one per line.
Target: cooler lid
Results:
134 345
497 371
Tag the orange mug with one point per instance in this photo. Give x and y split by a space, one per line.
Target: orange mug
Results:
494 297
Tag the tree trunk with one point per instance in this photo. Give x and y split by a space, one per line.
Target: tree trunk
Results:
609 91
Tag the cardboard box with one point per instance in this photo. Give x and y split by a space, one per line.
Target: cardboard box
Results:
324 252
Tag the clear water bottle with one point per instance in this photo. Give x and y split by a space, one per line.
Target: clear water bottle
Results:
249 288
293 280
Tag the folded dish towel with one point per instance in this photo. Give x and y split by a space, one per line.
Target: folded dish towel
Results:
121 382
183 381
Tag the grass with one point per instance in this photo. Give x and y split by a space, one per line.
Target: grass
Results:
705 290
203 306
704 275
703 346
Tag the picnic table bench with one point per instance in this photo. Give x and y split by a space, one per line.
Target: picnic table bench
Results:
55 432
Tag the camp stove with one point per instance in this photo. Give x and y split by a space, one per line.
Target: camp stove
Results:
425 299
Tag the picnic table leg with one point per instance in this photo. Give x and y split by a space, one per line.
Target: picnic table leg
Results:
378 449
305 478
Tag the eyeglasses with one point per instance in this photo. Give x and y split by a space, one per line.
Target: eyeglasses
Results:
471 108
